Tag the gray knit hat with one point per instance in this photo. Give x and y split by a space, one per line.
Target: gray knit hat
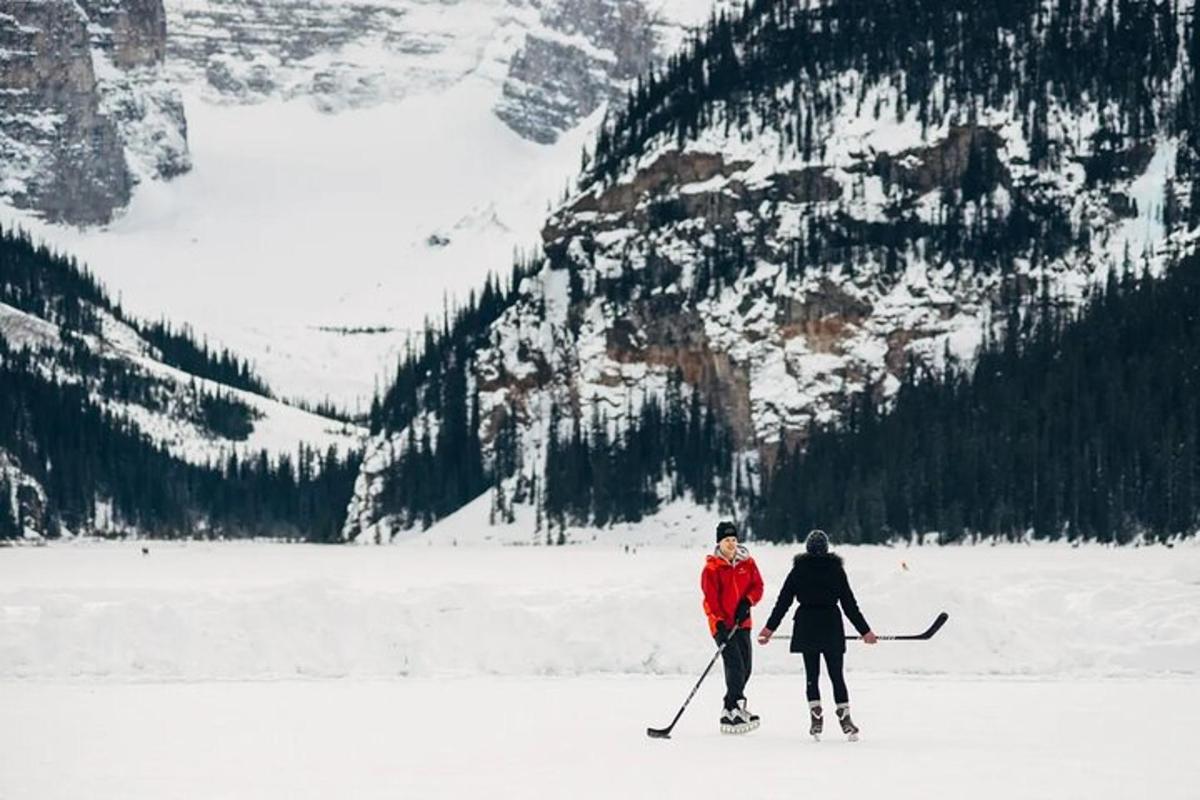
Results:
817 542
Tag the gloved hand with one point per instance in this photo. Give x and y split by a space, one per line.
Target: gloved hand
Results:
722 632
743 611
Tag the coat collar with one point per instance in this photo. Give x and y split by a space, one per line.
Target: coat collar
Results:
741 554
817 558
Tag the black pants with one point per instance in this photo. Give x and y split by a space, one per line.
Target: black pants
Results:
812 674
736 656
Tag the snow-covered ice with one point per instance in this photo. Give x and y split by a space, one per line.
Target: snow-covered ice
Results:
264 670
993 739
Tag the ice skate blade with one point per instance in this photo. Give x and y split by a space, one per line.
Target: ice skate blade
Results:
816 737
851 737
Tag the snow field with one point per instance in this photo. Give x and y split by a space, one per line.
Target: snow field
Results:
232 611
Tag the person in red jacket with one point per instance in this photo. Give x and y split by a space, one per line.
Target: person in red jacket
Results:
731 585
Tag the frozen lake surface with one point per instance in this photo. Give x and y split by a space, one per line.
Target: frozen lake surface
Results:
584 737
250 670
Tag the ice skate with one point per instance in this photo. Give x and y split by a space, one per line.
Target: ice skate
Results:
848 726
748 720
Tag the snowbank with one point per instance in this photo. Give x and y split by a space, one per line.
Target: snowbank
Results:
254 610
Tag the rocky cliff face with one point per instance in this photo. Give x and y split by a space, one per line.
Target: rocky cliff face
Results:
585 53
554 62
84 112
132 32
60 154
23 507
90 102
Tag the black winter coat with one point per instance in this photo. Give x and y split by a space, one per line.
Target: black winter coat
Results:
818 583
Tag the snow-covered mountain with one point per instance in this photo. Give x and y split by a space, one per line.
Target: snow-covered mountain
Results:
806 202
173 412
786 214
357 166
85 383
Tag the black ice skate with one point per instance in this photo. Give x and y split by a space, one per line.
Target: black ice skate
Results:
848 726
816 722
749 721
730 723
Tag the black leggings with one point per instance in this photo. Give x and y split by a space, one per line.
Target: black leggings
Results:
736 656
812 674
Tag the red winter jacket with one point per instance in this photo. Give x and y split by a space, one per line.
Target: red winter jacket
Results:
724 584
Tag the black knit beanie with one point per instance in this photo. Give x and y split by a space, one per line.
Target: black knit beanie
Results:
724 529
817 542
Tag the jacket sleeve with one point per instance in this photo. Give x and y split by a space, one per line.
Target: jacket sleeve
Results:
754 591
782 603
850 606
712 600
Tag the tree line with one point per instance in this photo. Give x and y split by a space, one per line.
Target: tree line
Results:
774 65
102 474
1077 428
99 471
39 281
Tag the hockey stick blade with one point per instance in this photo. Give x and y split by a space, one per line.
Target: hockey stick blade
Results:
665 733
936 626
919 637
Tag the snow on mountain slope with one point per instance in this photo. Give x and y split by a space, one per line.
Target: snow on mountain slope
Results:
554 61
315 243
277 428
297 225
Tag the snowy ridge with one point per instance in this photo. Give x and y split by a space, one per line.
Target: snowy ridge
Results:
278 429
344 55
254 611
148 111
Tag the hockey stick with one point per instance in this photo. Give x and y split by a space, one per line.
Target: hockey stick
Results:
913 637
665 733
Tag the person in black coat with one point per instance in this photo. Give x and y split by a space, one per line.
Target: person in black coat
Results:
819 584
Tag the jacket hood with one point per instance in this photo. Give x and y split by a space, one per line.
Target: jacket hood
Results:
741 554
803 557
